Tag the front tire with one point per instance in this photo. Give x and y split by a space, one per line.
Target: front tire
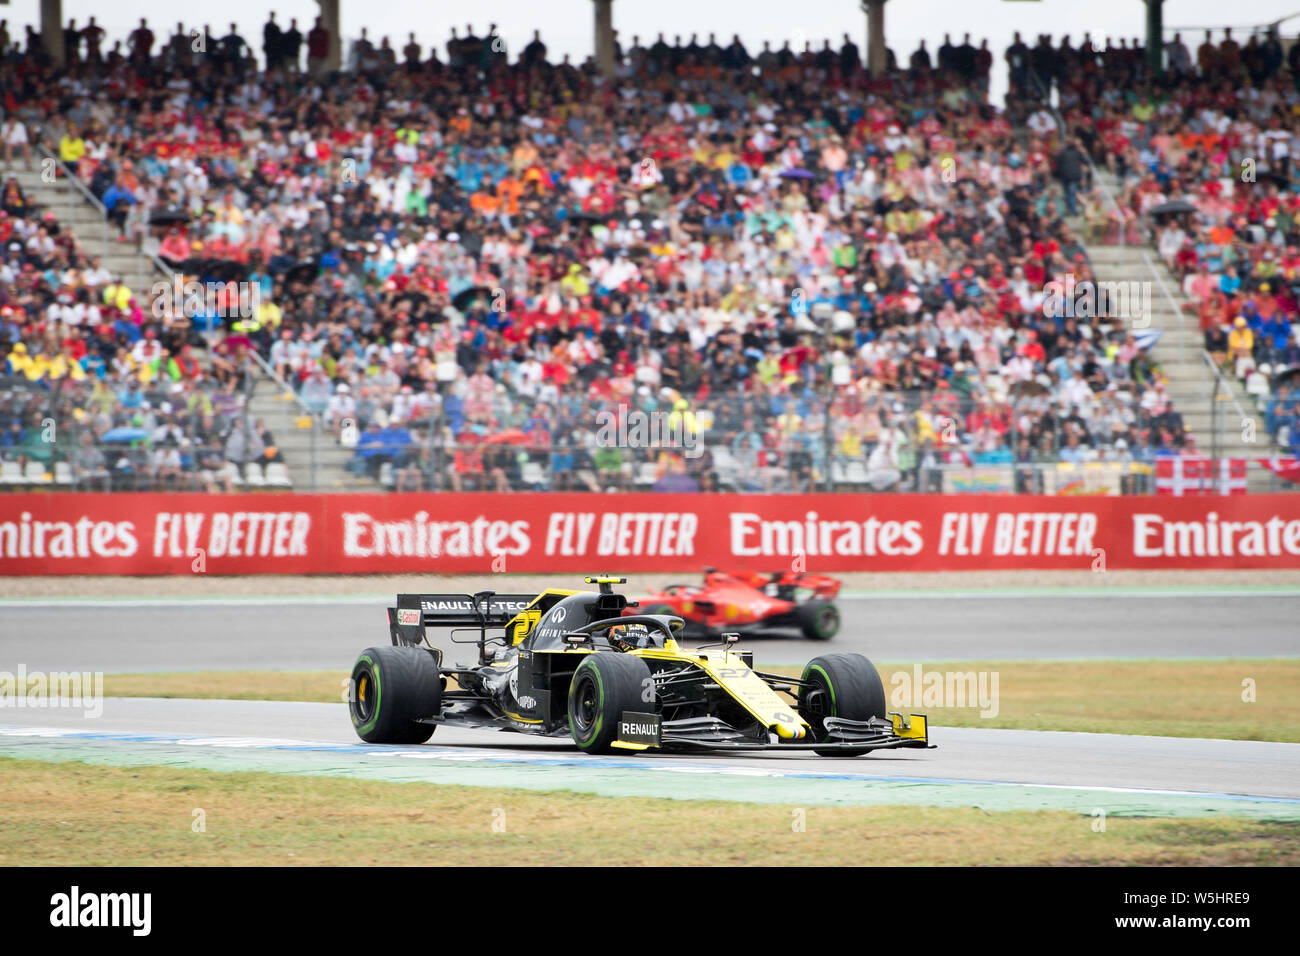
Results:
840 685
603 686
819 620
392 688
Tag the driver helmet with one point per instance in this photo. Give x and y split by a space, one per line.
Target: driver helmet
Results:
627 637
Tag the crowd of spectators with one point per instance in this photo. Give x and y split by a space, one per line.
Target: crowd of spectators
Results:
1204 156
466 264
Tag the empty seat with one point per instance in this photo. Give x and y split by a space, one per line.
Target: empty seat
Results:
645 473
1257 384
277 475
62 473
253 475
11 473
724 466
533 474
35 474
856 472
386 474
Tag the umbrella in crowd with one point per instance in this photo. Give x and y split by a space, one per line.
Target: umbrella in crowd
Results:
1284 376
587 216
124 433
221 270
798 174
303 272
463 299
1147 338
511 436
168 217
1028 388
1173 208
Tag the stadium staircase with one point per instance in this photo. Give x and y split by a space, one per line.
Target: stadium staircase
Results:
77 211
270 400
292 427
1213 410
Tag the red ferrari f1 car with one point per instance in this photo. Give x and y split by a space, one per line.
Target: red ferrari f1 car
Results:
751 601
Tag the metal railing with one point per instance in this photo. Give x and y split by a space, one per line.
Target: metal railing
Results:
189 462
1221 386
79 187
1173 307
291 400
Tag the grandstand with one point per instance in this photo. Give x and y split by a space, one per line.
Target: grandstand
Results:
443 271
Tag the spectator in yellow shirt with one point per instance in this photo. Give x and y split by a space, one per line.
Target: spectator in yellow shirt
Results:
20 363
71 148
1241 340
268 314
117 295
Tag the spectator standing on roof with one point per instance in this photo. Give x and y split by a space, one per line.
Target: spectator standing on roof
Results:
291 47
272 43
318 48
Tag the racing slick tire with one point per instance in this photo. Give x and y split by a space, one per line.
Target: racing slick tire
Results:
392 687
819 620
840 685
603 686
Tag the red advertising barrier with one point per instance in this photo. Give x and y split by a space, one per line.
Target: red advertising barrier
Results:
584 533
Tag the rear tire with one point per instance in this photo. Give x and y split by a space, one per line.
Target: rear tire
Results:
819 620
603 686
840 685
392 687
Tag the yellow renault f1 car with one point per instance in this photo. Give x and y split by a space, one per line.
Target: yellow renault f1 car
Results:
573 664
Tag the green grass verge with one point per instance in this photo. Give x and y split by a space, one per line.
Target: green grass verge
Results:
70 813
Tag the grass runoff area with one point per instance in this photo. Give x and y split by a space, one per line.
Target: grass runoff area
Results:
142 816
1245 699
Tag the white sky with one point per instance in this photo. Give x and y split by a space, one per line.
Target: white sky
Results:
567 25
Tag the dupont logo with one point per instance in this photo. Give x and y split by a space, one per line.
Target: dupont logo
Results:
408 616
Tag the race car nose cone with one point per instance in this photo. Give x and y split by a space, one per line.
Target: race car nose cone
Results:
789 731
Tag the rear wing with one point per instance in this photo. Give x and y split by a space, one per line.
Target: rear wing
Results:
415 612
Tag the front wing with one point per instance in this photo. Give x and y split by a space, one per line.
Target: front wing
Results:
648 732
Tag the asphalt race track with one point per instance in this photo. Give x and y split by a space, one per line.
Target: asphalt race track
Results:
189 635
995 769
